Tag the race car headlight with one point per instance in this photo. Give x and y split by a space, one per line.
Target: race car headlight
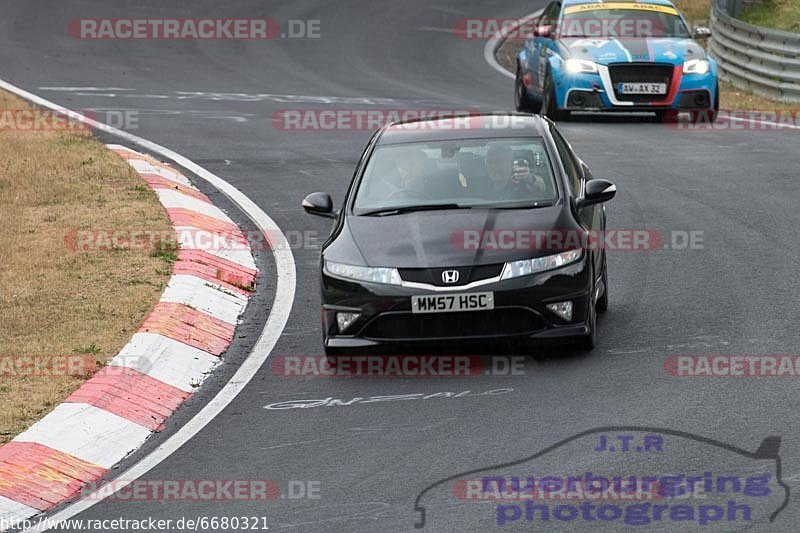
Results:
580 66
516 269
389 276
696 66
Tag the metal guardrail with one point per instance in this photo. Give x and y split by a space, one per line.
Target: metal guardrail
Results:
760 59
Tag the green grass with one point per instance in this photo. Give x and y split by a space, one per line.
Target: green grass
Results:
778 14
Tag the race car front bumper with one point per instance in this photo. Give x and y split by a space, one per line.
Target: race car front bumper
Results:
595 92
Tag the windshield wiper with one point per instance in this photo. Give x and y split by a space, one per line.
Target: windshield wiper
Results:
522 205
410 208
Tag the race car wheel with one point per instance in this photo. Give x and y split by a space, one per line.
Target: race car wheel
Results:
523 102
549 106
716 105
667 117
707 116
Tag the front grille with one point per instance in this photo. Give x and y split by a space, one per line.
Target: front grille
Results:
433 276
640 73
499 322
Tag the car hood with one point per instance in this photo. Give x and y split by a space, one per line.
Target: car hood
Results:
607 51
430 239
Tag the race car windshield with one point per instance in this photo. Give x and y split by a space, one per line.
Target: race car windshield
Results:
479 173
623 23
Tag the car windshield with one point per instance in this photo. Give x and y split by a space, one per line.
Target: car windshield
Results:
646 21
479 173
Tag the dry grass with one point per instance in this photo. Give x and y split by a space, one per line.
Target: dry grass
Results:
697 13
54 301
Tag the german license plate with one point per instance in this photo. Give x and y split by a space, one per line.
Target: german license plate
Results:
449 303
642 88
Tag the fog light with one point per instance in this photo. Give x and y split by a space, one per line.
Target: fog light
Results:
345 320
562 309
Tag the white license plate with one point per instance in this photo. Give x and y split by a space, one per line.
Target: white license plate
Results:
448 303
642 88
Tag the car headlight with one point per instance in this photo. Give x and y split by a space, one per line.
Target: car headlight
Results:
389 276
580 66
516 269
696 66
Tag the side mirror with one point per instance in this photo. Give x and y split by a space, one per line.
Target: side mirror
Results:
319 203
701 32
543 30
597 192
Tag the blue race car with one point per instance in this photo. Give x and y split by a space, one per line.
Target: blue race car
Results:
616 56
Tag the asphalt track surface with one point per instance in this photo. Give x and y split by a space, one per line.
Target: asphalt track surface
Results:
212 102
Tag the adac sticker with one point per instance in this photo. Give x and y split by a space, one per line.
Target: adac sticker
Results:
582 8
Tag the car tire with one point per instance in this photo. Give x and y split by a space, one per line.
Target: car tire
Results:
669 116
712 117
331 353
589 341
549 105
602 302
523 102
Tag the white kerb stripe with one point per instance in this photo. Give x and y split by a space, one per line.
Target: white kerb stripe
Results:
144 167
88 433
203 296
240 257
175 199
11 511
173 362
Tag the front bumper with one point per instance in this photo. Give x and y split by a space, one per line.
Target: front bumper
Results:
595 92
519 311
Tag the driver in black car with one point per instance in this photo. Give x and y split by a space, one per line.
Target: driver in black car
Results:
412 167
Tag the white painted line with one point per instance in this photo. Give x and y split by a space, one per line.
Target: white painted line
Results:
240 257
188 241
173 362
278 314
145 167
87 432
175 199
205 297
12 512
495 41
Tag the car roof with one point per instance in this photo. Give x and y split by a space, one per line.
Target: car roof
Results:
651 2
464 126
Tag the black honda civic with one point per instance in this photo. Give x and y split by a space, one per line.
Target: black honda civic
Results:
482 227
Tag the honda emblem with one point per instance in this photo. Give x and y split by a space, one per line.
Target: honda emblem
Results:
450 276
